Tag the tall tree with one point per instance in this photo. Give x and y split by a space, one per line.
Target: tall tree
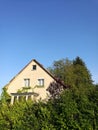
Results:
81 73
71 72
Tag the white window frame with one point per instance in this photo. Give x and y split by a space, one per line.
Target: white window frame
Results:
41 82
27 82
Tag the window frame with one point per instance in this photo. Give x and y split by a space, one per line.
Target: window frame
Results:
41 82
34 67
27 82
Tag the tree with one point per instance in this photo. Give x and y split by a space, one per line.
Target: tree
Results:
63 70
73 73
55 88
81 73
5 97
75 108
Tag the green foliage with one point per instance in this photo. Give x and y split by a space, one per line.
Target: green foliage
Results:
81 73
73 73
24 89
63 70
5 97
39 86
75 109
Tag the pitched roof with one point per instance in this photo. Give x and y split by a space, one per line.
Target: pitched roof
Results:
43 69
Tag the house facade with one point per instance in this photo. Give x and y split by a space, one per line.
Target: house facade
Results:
31 82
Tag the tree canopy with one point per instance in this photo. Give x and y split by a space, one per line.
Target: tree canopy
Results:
76 108
72 72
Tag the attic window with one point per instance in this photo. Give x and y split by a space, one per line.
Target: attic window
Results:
34 67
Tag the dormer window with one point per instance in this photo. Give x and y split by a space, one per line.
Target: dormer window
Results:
34 67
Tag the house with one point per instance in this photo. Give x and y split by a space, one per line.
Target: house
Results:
31 82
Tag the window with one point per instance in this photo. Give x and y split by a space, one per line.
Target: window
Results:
41 82
26 82
34 67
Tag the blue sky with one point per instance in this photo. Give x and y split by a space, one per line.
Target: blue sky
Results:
47 30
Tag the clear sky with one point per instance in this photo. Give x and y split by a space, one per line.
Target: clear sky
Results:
47 30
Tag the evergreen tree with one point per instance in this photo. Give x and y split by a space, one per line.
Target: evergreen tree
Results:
81 73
